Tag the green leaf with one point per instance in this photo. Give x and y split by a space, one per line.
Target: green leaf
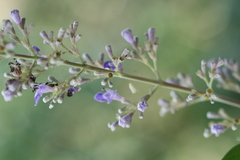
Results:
233 154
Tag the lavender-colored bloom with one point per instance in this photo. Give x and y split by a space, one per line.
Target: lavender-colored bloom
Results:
111 66
14 14
127 35
72 90
217 129
108 96
36 49
8 95
41 89
142 106
125 121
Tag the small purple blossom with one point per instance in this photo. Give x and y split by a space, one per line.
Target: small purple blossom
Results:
217 129
127 35
14 14
8 95
111 66
72 90
36 49
125 121
108 96
142 106
41 89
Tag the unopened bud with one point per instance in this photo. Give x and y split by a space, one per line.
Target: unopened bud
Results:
47 98
104 81
10 45
132 88
75 26
73 82
140 115
52 79
88 58
222 113
78 37
191 97
73 70
207 133
151 34
113 125
125 52
50 35
44 35
109 51
212 115
234 127
60 99
61 33
51 106
110 84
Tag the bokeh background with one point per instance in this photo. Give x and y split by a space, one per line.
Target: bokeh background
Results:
188 30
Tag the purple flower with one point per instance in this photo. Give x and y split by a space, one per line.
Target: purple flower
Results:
72 90
111 66
108 96
127 35
217 129
14 14
142 106
125 121
8 95
36 49
41 89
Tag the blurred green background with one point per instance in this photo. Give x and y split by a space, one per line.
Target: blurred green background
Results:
188 30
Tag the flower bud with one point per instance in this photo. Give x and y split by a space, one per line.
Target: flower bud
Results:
151 34
132 88
52 79
75 26
127 35
61 33
14 14
44 35
47 98
113 125
73 70
88 58
109 51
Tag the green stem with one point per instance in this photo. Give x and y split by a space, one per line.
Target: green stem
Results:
220 98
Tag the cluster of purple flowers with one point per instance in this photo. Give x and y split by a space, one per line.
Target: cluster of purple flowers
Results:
21 74
124 120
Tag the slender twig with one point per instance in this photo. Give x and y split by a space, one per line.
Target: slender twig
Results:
220 98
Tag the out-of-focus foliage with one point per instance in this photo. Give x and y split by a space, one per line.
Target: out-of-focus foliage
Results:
233 154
